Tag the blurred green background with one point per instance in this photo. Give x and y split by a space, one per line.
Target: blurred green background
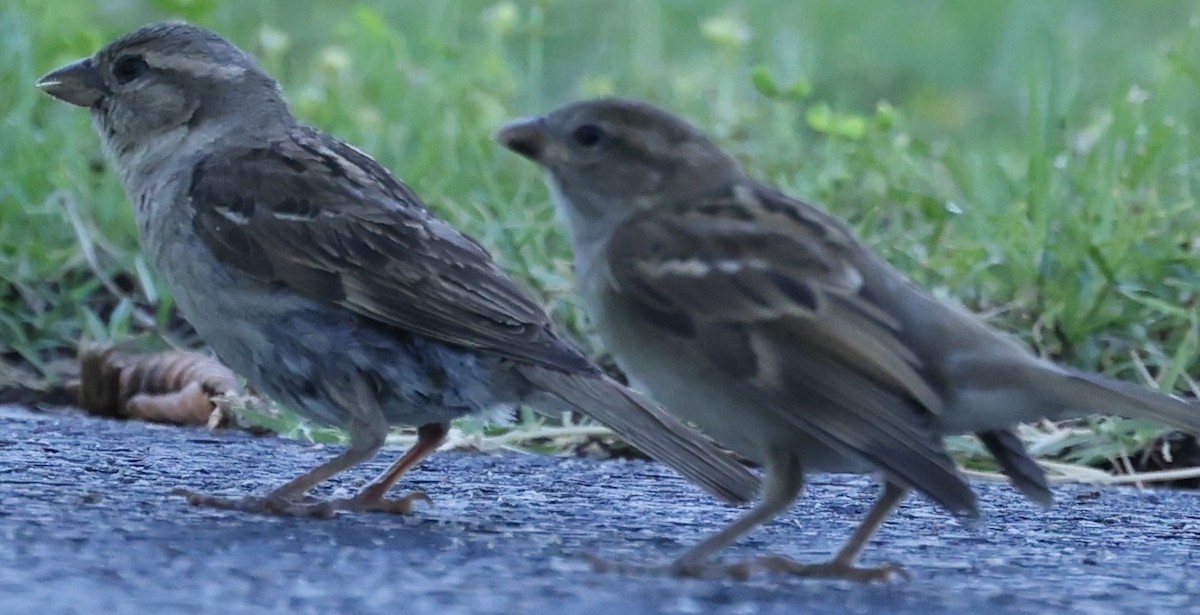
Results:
1034 160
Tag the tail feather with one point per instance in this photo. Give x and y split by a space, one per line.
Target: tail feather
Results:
1026 475
1095 393
652 430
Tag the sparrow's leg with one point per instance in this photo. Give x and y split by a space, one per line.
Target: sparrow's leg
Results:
371 498
784 480
289 499
844 564
783 483
367 428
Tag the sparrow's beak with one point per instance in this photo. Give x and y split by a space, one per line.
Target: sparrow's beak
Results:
526 137
78 83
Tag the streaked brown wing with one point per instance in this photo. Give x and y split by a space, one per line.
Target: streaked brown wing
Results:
321 218
764 286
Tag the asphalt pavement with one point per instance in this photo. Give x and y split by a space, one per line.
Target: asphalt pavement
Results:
86 526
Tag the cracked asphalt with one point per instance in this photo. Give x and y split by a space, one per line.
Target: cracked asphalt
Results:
86 526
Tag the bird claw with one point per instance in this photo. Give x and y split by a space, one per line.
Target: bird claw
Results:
601 565
271 505
400 506
828 570
742 571
307 507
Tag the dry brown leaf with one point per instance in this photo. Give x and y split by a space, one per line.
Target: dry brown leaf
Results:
174 386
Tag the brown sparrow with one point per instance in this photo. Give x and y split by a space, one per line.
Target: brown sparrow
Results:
770 325
320 277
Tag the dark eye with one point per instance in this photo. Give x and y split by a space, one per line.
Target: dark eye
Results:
129 68
588 135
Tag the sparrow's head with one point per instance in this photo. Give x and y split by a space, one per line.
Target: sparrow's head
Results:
162 77
610 157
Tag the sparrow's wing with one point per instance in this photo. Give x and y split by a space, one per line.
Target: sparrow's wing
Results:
321 218
767 290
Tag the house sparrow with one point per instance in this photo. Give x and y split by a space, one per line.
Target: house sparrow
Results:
775 329
321 278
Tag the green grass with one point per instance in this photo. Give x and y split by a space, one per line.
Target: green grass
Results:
1034 160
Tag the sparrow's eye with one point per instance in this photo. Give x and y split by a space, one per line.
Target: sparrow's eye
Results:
129 68
589 135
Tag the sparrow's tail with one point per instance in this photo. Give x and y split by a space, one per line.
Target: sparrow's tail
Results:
650 429
1094 393
1016 463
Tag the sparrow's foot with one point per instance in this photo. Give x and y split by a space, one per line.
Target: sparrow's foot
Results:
306 507
270 504
741 571
832 569
599 564
400 506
